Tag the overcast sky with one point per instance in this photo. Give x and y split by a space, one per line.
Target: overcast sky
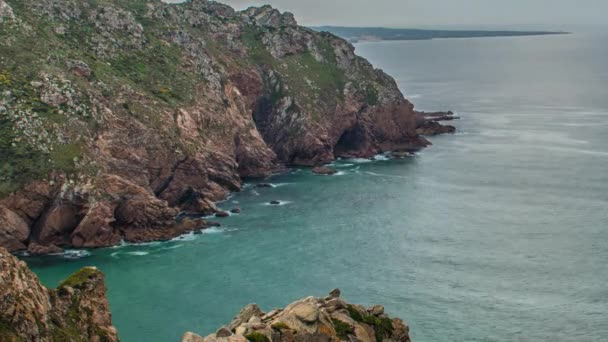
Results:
556 14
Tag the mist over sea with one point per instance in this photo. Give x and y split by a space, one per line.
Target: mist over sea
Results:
497 233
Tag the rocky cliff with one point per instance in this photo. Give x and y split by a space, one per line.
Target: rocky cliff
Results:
115 116
76 311
310 320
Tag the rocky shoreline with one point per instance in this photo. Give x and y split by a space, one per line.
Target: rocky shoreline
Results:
78 310
310 319
162 109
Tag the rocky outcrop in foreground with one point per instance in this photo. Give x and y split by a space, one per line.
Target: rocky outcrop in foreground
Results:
310 320
76 311
116 116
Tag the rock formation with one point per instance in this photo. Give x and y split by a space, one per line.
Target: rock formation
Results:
311 320
116 116
76 311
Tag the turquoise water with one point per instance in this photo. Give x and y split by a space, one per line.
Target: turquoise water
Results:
498 233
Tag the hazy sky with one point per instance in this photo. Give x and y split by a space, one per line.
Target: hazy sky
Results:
555 14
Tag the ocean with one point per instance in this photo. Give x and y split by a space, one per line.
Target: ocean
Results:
496 233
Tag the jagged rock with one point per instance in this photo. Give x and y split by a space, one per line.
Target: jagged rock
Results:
35 249
96 229
376 310
432 127
324 170
14 231
56 224
222 214
316 320
244 315
400 154
76 310
335 293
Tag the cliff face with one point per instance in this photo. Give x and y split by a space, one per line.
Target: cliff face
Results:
76 311
312 320
117 115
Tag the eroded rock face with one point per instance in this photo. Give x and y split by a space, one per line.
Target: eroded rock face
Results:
311 319
76 310
164 108
14 231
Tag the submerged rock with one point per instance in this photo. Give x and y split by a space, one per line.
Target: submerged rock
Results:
324 170
275 202
311 319
263 185
235 210
222 214
76 311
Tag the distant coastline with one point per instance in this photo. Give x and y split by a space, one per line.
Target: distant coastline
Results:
357 34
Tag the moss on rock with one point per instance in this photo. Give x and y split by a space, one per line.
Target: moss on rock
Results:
79 277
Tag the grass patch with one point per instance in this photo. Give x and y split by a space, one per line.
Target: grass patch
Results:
342 329
79 277
383 326
257 337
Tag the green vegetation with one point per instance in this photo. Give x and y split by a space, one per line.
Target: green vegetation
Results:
79 277
257 337
280 326
371 95
342 329
154 70
383 326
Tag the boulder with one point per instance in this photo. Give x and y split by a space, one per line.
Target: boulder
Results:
324 170
335 293
376 310
223 332
306 312
192 337
235 210
96 229
35 249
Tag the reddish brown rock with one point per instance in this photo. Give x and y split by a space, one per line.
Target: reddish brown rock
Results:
434 128
324 170
14 231
36 249
56 224
77 310
97 228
